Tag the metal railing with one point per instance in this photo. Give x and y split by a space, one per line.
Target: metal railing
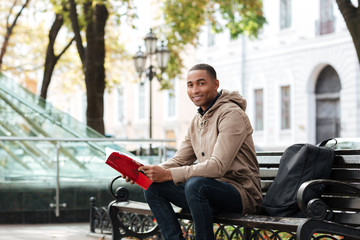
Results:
92 142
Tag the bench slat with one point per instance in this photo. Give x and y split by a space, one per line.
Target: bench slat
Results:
346 204
347 218
267 154
138 207
268 173
265 185
336 191
134 207
345 174
257 221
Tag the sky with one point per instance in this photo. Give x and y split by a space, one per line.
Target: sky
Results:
146 11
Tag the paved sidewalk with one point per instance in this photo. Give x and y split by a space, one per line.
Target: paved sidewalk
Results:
61 231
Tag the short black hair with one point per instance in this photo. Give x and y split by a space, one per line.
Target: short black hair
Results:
203 66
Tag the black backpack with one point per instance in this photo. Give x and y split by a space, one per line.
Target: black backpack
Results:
298 164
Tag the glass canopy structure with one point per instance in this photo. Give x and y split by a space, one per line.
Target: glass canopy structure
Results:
44 155
23 114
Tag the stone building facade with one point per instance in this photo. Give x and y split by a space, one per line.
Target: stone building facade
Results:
300 77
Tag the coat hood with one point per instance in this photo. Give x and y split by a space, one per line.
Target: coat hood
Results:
227 96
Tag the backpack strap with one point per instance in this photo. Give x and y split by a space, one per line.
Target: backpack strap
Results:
323 143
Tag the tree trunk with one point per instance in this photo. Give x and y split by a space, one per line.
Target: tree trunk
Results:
94 68
76 28
51 58
351 16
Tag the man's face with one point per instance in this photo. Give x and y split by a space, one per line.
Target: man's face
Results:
201 88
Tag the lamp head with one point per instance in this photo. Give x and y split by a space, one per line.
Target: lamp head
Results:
163 56
150 42
139 61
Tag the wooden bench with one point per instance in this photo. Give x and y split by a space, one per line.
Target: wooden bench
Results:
339 205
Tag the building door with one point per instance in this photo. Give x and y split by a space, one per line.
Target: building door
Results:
327 92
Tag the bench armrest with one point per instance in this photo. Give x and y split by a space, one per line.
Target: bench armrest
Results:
316 208
121 194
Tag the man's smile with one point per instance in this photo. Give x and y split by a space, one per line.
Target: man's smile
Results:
197 98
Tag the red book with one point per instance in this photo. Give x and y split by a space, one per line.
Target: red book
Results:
128 166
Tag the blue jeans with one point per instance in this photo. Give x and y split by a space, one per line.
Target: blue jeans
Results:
202 196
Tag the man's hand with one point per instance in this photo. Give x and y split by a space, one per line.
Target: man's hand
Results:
127 179
156 173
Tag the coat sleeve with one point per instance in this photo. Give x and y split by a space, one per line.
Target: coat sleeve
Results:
234 128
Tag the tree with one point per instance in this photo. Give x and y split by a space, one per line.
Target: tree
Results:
25 51
11 25
351 16
183 20
84 18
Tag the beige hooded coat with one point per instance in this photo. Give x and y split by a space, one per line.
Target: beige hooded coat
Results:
221 141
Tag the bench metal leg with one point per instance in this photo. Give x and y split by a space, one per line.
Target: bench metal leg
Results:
92 214
120 230
113 213
306 230
247 233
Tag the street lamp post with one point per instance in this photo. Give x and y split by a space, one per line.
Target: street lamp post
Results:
162 54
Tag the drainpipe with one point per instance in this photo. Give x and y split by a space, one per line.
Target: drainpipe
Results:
243 56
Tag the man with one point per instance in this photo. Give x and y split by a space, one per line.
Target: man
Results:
226 175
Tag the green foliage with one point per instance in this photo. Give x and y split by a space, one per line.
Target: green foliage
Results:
184 19
242 16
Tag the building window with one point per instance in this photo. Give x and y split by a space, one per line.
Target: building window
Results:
121 104
285 107
170 134
171 101
327 20
259 109
141 102
210 36
285 14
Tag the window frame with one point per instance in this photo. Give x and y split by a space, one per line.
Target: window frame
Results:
285 107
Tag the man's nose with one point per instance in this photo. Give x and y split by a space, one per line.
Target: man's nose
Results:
195 89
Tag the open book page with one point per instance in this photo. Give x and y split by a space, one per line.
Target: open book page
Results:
128 166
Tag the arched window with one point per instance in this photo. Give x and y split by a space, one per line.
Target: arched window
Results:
327 92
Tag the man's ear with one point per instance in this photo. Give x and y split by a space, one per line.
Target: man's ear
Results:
217 83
